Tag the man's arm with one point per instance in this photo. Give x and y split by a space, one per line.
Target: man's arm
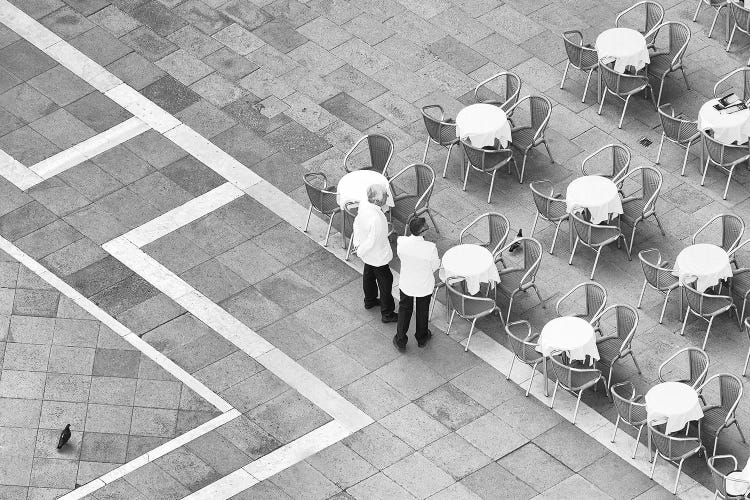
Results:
435 258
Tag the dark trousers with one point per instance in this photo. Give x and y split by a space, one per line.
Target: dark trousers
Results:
405 308
379 278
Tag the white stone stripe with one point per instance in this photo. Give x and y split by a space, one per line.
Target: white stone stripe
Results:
89 148
17 20
150 456
183 215
139 106
18 174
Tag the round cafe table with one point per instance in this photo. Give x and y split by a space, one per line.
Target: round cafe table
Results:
353 186
482 124
625 46
728 128
571 334
475 263
673 402
597 194
704 262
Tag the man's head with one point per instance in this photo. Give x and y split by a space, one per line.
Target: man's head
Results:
377 194
417 226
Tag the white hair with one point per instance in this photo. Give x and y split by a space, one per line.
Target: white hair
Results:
376 193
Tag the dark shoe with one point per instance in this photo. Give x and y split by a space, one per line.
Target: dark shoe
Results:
372 304
391 318
395 344
425 340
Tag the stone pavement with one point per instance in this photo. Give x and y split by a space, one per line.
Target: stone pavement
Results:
285 88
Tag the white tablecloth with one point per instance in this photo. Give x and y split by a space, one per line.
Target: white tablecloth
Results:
353 186
625 46
482 124
473 262
673 402
596 193
705 262
739 482
570 334
728 128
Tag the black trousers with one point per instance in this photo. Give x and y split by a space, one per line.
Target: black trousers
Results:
379 278
405 308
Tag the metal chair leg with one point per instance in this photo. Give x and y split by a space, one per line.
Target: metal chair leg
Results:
447 159
307 223
661 145
554 237
640 297
708 330
471 330
426 147
565 73
596 261
624 108
617 423
328 232
684 161
697 10
492 184
637 441
586 88
664 307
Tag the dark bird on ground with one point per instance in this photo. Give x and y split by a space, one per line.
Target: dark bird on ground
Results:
514 246
64 437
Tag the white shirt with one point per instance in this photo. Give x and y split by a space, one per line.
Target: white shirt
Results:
419 260
371 235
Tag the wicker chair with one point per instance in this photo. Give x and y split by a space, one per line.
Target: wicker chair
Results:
572 379
524 349
724 156
697 366
580 56
440 131
721 480
707 307
322 199
720 416
380 149
511 89
674 450
467 306
725 83
514 280
678 130
615 347
487 161
658 276
740 20
549 207
641 207
498 228
408 205
594 301
347 225
630 409
739 286
526 137
747 358
717 5
654 17
595 237
623 86
732 229
611 161
664 62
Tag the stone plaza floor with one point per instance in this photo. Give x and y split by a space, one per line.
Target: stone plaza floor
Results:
158 294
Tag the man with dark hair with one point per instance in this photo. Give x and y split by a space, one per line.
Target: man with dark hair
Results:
419 261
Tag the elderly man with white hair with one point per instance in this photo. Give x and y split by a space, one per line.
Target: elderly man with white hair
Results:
373 248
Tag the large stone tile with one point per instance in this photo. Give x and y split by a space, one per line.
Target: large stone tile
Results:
353 112
493 481
571 446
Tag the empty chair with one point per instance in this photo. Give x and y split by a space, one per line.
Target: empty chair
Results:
658 276
654 15
410 204
631 409
739 286
595 237
722 482
580 56
707 307
674 450
516 279
669 60
322 199
678 130
732 229
672 369
726 84
717 417
487 161
587 307
639 207
572 379
380 149
549 206
498 228
614 347
526 137
440 131
524 348
508 87
611 161
717 5
467 306
724 156
740 20
623 86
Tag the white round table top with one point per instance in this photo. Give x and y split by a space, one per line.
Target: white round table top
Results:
353 186
703 261
738 483
482 123
627 47
728 128
474 262
671 398
596 193
566 333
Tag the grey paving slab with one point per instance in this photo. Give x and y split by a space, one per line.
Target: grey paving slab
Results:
170 94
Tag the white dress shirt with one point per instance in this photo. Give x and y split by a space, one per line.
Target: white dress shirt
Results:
419 260
371 235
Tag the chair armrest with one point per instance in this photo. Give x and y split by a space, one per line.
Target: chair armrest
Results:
608 337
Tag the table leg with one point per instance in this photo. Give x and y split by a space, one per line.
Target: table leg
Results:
570 233
546 380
